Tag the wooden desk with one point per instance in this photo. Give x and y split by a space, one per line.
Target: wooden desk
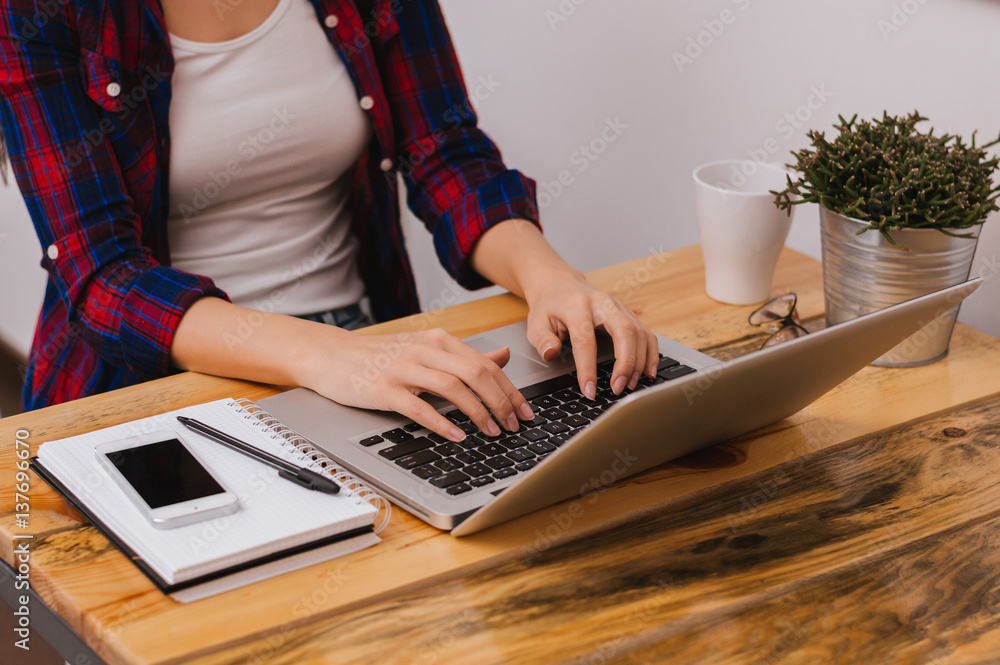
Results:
865 529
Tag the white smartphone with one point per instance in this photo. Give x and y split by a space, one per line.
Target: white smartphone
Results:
166 480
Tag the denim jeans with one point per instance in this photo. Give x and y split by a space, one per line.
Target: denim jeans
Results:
351 317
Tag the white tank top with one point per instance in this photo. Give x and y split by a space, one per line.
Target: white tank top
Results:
264 131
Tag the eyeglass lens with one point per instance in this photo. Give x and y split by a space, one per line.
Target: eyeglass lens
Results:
774 311
787 333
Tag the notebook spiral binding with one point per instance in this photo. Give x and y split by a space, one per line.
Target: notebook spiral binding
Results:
275 428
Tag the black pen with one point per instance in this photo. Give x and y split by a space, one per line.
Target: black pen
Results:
297 474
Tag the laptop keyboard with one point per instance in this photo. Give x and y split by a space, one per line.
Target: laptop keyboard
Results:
480 460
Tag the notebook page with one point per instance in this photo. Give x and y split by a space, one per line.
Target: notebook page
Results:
274 514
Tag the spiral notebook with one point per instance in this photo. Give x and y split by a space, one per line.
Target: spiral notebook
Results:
280 526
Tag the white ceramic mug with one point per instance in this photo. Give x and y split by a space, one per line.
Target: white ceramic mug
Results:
740 229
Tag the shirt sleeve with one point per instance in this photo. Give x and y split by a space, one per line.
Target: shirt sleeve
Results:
457 183
61 145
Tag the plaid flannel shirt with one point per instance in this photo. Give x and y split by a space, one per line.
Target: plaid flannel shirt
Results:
84 99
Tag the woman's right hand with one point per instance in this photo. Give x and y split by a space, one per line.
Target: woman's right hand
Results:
388 372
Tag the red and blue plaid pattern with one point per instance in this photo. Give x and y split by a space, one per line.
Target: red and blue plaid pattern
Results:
84 100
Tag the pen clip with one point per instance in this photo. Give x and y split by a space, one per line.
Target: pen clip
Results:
310 480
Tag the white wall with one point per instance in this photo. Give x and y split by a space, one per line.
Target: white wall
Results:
558 81
546 86
22 280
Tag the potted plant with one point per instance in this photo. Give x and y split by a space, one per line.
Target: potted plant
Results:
900 214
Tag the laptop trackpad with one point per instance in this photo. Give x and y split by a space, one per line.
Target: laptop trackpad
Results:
519 365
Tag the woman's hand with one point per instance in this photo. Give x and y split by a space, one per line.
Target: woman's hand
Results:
369 371
388 372
564 305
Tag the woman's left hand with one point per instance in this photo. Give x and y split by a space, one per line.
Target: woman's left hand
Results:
565 305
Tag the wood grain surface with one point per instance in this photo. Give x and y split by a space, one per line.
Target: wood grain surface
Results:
879 550
126 620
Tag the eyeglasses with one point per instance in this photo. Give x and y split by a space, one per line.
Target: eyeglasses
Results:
778 312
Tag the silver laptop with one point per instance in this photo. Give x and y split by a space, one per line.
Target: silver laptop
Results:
575 446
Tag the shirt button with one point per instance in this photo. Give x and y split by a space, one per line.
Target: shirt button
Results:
52 252
113 89
385 164
367 103
331 21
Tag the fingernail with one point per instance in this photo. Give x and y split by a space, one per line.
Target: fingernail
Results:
619 385
651 371
512 423
526 412
456 434
545 351
590 390
634 381
492 428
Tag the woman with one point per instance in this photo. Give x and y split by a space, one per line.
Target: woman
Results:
280 126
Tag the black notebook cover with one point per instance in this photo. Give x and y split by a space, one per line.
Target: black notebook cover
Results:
162 584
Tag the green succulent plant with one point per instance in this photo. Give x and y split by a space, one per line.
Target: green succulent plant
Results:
890 175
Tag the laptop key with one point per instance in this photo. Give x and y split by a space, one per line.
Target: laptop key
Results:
675 372
448 464
552 414
558 439
481 480
397 435
525 466
557 427
593 414
477 469
412 427
573 421
470 457
665 363
548 386
406 448
491 449
470 442
371 441
437 438
449 479
512 442
456 416
418 459
521 455
505 473
426 471
541 447
545 402
574 407
498 462
567 395
448 449
534 422
459 489
468 427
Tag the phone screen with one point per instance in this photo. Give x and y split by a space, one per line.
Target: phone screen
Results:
164 473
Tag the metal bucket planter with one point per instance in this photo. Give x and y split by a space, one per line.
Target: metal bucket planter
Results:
864 273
